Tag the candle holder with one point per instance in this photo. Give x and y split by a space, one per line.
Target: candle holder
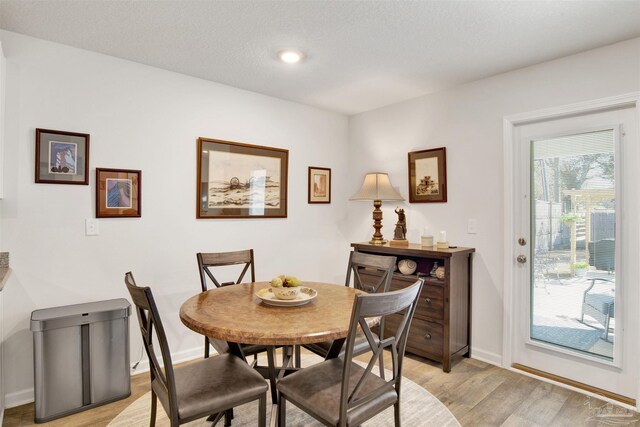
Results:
443 243
427 241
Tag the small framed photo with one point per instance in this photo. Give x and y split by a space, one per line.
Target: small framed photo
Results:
62 157
241 180
428 176
118 193
319 185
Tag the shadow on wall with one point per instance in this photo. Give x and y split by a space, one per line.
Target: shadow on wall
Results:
17 350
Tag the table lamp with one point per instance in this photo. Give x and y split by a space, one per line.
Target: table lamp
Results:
377 187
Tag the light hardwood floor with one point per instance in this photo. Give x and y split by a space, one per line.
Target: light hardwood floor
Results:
477 393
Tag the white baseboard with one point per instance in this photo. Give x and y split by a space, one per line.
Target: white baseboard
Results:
179 357
486 356
18 398
23 397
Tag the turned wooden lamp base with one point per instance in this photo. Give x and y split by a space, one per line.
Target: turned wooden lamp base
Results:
377 238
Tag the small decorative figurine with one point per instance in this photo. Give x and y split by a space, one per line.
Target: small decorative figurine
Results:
434 270
400 233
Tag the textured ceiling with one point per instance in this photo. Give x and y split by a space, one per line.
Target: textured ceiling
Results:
360 54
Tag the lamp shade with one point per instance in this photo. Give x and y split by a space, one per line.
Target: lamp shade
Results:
376 186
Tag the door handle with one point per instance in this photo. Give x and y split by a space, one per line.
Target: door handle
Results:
521 259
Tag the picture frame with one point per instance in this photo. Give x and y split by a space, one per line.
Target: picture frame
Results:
62 157
428 176
319 187
237 180
118 193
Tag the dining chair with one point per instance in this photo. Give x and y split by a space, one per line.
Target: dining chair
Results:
599 303
378 271
204 387
341 392
206 263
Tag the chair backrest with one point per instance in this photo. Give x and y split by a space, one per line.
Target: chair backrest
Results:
403 303
206 261
380 263
148 318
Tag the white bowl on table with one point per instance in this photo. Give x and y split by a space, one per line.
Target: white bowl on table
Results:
286 293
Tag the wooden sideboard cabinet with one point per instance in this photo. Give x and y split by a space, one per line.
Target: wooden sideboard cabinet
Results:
441 326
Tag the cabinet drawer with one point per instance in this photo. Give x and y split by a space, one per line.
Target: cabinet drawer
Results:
431 300
431 303
425 338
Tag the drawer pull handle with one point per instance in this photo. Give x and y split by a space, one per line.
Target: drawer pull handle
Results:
428 300
427 336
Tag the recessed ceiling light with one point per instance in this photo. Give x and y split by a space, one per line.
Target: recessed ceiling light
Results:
290 56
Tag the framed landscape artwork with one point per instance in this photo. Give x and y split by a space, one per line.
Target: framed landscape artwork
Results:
319 185
241 180
62 157
118 193
428 176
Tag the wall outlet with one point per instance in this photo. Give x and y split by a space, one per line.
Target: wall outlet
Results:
91 227
472 226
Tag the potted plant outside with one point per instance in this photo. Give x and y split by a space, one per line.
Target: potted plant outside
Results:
568 218
580 268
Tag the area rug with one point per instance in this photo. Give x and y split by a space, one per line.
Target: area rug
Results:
418 408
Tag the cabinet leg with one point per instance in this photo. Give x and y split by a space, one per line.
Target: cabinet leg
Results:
446 364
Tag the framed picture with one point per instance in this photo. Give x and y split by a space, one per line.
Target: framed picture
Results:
319 185
428 176
62 157
118 193
240 180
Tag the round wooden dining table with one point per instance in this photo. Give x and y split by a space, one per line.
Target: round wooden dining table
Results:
235 314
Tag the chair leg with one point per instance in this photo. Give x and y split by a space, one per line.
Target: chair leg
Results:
282 411
154 405
272 373
381 364
227 418
396 413
173 419
262 410
206 347
607 321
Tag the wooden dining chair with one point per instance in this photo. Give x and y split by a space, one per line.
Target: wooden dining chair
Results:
372 274
206 263
204 387
339 391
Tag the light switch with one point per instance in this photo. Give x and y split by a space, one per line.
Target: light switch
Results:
472 226
91 227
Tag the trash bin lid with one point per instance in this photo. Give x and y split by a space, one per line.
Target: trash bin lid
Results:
79 314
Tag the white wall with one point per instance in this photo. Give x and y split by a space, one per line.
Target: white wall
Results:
467 120
144 118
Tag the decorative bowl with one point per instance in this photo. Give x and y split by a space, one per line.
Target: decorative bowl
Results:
286 293
407 266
